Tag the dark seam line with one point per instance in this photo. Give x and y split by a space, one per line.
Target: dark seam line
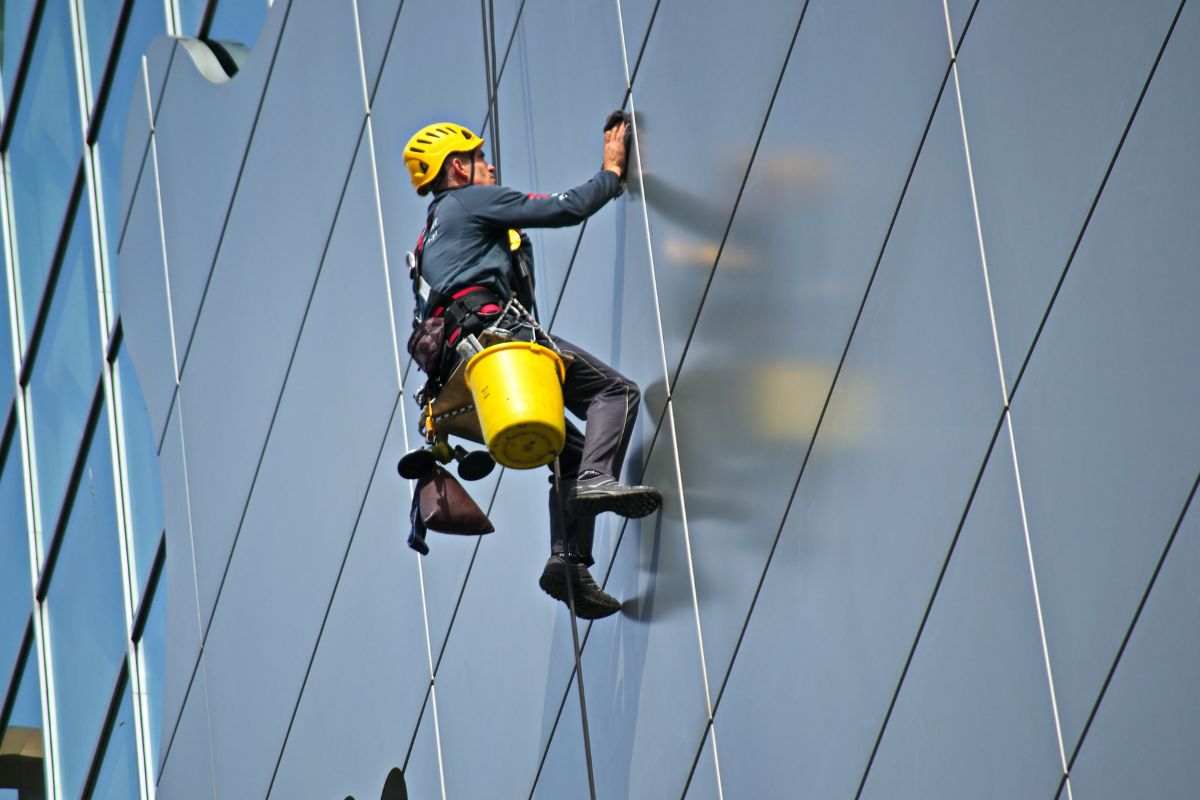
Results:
1062 784
937 586
487 71
587 738
7 703
164 82
637 64
562 287
206 21
58 530
333 593
1137 615
387 51
550 737
50 284
496 149
237 184
6 437
687 784
100 749
287 374
151 591
412 742
162 436
137 185
274 414
13 107
462 588
1095 203
673 380
832 387
106 77
116 338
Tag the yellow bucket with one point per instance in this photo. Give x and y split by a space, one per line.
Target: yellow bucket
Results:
517 388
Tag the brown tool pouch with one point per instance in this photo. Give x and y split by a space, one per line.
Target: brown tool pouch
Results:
425 344
445 506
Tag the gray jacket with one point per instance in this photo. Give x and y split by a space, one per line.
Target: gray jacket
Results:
465 241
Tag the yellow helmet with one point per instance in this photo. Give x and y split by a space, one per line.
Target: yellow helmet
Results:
428 148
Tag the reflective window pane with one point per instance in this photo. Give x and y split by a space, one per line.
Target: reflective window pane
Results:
43 154
24 733
7 374
238 21
118 778
16 16
190 14
153 653
65 371
145 24
100 20
86 611
16 584
141 470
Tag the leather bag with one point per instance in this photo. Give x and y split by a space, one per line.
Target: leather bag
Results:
446 507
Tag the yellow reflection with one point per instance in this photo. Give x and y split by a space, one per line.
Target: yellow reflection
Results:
785 399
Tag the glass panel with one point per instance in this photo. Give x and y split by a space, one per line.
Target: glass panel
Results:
16 585
141 471
23 735
100 20
14 16
64 373
118 778
190 14
7 373
86 614
152 651
145 23
44 154
241 20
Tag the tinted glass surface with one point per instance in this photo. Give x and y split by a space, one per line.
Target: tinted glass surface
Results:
152 650
1047 90
564 772
239 397
16 585
141 471
376 21
146 22
1142 740
883 492
65 372
43 155
100 22
974 716
238 21
17 15
7 374
118 778
188 770
304 507
809 230
86 614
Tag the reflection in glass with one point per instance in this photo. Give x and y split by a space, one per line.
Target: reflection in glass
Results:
86 614
22 772
16 25
118 778
238 21
7 374
152 649
141 470
190 14
146 22
43 154
65 370
16 586
100 20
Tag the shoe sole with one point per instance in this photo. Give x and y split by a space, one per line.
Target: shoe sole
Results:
554 583
631 505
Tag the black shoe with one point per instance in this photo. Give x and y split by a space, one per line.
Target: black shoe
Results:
588 497
591 602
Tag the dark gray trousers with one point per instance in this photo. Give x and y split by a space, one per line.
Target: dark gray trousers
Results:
609 402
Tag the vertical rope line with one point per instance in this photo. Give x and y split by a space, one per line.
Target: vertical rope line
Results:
1004 394
670 407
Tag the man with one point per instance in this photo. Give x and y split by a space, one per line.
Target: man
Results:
468 269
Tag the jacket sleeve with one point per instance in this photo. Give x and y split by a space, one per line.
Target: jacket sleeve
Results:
508 208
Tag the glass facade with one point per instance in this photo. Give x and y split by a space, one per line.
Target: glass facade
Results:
908 288
82 642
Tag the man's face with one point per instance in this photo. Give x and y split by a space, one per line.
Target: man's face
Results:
485 173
